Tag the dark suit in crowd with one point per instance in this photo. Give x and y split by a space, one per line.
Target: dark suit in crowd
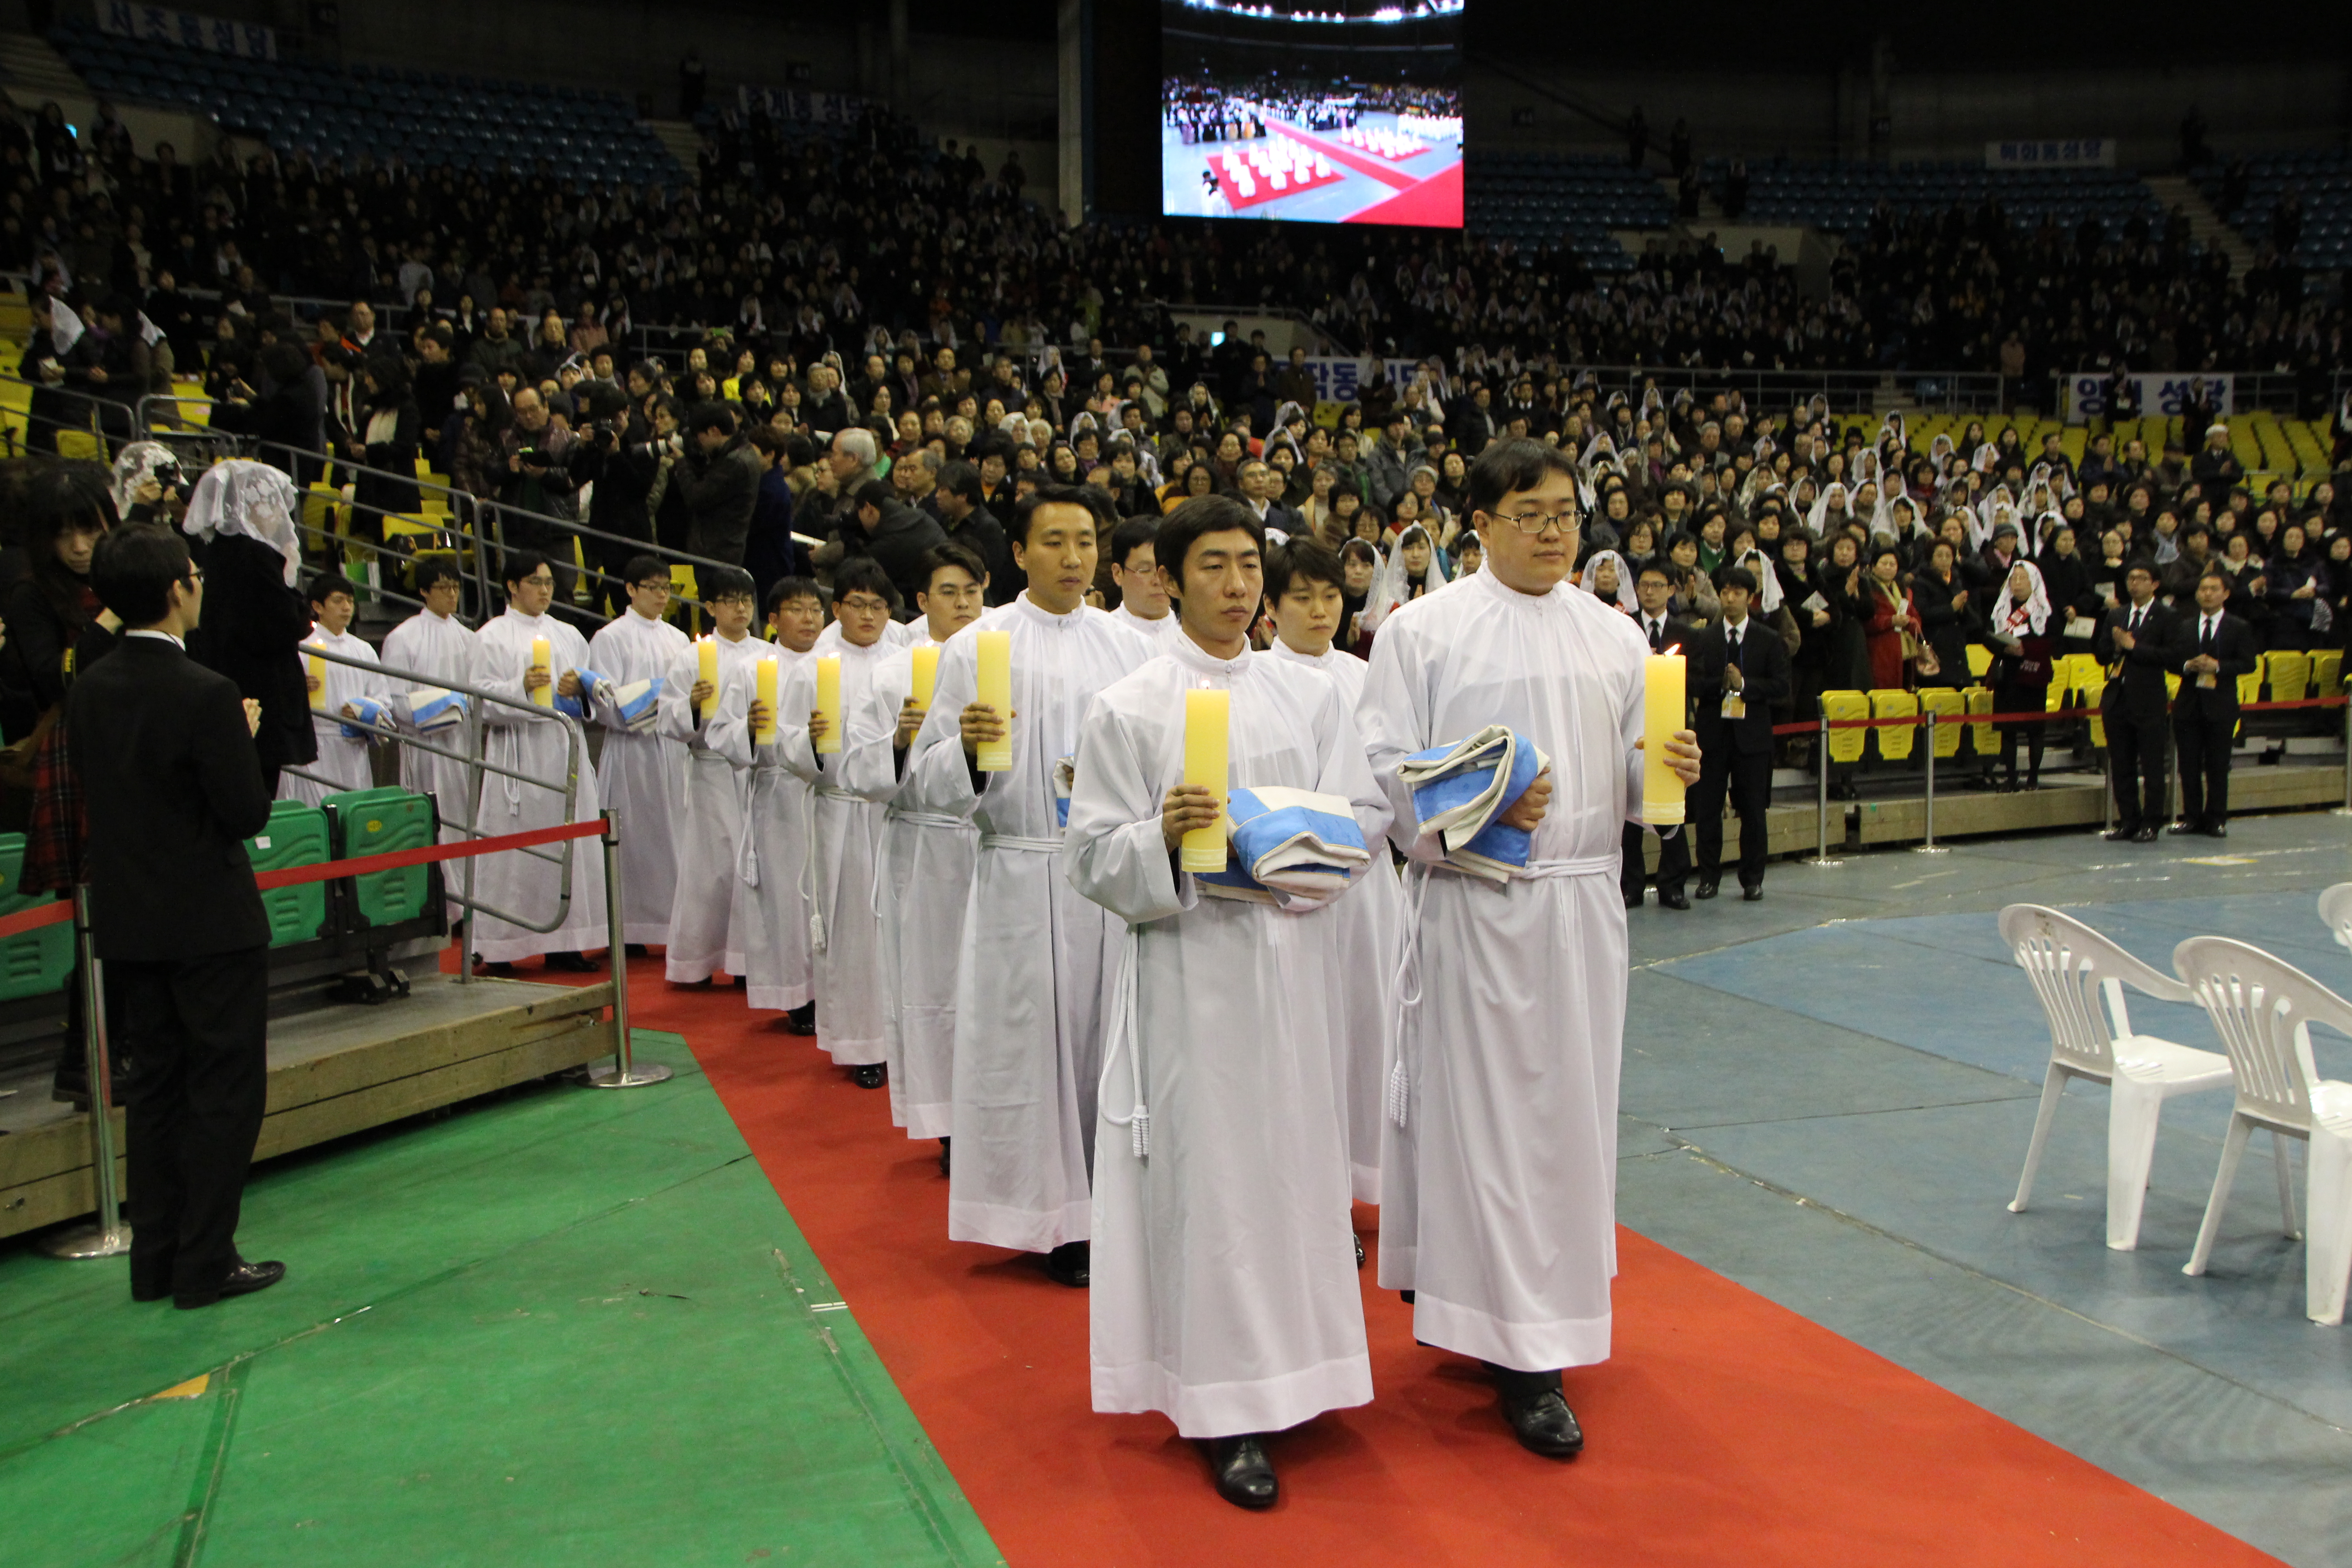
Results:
2132 707
1673 843
1735 754
173 787
2205 719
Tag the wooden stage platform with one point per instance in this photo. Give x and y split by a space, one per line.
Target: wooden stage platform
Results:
334 1068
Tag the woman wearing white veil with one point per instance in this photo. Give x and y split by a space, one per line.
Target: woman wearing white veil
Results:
1939 455
1621 576
242 516
1989 515
2022 646
134 470
1392 582
1824 515
1985 460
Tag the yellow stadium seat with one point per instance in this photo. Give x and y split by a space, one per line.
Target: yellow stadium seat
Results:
2289 676
1845 745
1979 699
81 444
2327 672
2249 685
322 506
1980 661
1945 703
1894 740
681 583
16 394
2090 691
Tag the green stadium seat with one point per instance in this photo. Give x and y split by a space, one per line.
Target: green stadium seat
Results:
32 962
376 822
297 835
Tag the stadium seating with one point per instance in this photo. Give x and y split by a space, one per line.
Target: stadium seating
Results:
427 118
1574 202
2324 180
1839 198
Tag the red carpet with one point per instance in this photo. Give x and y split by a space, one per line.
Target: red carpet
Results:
1436 203
1726 1431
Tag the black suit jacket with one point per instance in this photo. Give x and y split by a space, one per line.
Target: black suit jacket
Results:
2138 687
172 783
1765 672
2233 645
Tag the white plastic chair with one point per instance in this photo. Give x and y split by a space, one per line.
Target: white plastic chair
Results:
2263 1010
2335 912
2073 970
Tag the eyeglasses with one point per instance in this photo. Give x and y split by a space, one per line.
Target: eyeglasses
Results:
1536 523
195 575
866 604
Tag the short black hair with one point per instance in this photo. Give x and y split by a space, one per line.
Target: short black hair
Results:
785 589
1515 463
133 569
433 570
1201 515
962 479
1737 577
950 553
1131 536
877 493
713 414
520 565
1302 559
641 567
326 584
717 583
864 574
1093 498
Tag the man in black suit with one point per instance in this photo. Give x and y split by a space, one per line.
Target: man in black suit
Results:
2132 643
1738 669
2212 649
1655 590
172 785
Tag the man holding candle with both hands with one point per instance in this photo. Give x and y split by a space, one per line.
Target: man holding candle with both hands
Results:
1226 1297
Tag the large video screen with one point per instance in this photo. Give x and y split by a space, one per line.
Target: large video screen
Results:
1349 114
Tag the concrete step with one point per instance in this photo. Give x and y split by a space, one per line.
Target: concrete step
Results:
36 70
2206 226
682 140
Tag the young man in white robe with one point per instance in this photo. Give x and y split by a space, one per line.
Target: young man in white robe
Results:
1037 961
1306 596
546 745
1224 1291
1499 1182
439 649
927 858
345 762
852 993
641 773
1143 603
775 875
704 933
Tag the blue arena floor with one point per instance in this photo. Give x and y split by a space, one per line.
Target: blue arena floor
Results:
1828 1096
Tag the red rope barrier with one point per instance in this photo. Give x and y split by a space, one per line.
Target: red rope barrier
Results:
1916 720
61 910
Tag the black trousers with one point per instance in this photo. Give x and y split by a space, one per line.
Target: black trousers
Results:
2138 754
1673 861
195 1031
2204 745
1747 778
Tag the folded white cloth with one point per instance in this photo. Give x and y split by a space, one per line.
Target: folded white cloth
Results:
638 703
375 719
1291 848
1459 789
431 709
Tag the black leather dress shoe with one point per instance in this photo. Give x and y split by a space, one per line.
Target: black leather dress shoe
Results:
1071 1264
801 1020
1243 1474
2120 834
873 1075
142 1289
1677 899
2215 830
1539 1416
1359 1250
2178 828
241 1280
1706 889
943 1156
2145 835
1632 900
573 963
1754 895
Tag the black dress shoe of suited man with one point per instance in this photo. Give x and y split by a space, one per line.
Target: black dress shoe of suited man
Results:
1538 1414
873 1075
2181 827
2145 835
1633 900
1677 899
1752 895
241 1280
2215 830
1244 1476
1705 889
2120 834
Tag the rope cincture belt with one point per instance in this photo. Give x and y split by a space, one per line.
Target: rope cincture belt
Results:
1026 845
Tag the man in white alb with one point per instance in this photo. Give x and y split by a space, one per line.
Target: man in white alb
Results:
434 644
345 761
641 772
704 935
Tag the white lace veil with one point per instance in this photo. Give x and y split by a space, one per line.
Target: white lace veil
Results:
241 495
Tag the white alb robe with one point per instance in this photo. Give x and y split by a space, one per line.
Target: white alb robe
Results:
704 933
1036 963
1364 929
925 881
641 775
1498 1194
440 648
350 763
774 872
1224 1291
852 992
546 745
1161 634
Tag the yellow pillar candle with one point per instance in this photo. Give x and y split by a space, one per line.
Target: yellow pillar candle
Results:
765 733
540 657
1664 713
1208 720
705 665
995 649
828 702
926 674
318 673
